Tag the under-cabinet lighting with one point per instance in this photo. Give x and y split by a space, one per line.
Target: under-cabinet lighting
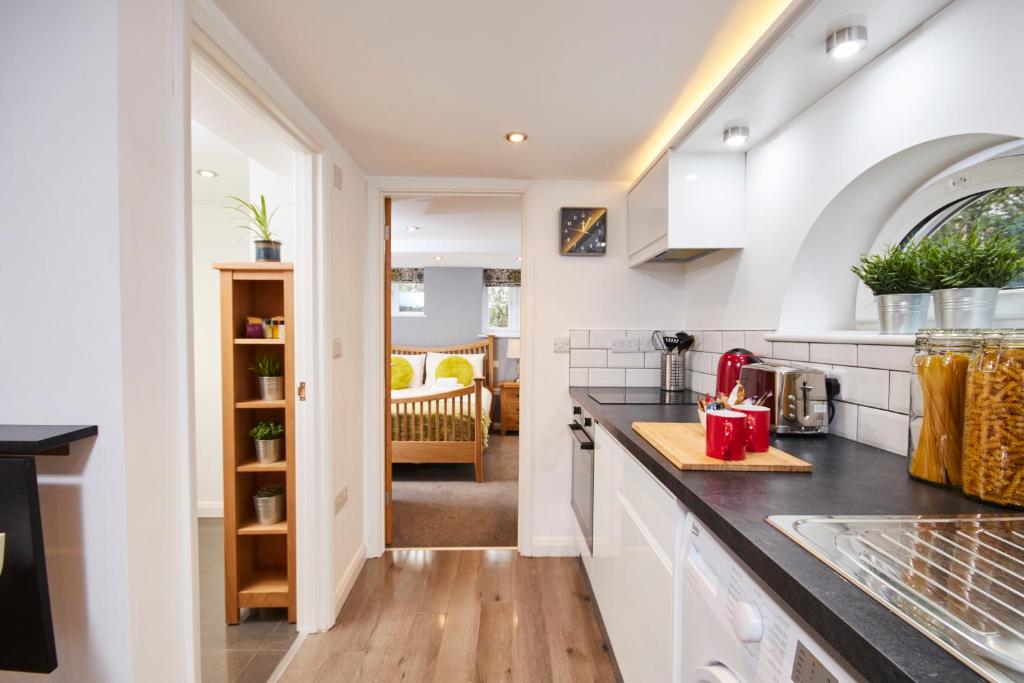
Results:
846 42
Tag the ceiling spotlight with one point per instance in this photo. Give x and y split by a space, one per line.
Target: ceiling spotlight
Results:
439 258
516 136
413 228
690 177
735 136
846 42
206 173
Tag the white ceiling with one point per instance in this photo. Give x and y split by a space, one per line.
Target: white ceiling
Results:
431 88
481 232
211 152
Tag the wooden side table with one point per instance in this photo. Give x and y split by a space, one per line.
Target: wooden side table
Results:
509 406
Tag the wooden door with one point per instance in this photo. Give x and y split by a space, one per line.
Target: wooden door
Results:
388 517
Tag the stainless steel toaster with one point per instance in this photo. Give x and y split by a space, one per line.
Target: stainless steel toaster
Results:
798 400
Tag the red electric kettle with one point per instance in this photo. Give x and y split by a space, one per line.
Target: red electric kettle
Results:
729 368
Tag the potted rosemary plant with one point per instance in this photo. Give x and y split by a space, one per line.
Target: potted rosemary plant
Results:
894 277
268 371
269 503
257 221
268 437
965 271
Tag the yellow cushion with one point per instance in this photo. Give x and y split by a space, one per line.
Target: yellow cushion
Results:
401 373
457 367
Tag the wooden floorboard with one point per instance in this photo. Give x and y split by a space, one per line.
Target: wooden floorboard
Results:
461 615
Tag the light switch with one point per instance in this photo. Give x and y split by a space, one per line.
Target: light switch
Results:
340 499
561 345
336 347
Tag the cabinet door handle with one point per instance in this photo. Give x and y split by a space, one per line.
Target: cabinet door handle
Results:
586 443
302 391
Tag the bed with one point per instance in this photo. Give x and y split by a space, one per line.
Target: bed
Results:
433 424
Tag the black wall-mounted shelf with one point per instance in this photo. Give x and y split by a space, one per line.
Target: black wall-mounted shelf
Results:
42 439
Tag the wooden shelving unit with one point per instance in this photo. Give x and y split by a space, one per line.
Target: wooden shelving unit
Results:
259 561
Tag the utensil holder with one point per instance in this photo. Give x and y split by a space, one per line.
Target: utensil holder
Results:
673 372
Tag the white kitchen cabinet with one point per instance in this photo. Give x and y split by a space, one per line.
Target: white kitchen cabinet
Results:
688 204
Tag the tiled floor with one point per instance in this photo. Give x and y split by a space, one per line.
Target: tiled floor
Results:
248 652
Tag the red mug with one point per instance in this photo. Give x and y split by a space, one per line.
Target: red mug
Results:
758 418
726 435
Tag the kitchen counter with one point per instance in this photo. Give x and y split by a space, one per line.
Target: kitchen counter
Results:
849 478
42 439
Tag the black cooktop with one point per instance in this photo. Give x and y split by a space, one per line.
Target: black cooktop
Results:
642 395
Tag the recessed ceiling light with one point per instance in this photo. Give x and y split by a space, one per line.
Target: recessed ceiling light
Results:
206 173
516 136
439 258
846 42
690 177
413 228
735 136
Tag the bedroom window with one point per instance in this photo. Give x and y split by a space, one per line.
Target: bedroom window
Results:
501 302
408 296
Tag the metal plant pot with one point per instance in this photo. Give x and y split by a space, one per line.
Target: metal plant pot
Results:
271 388
267 250
902 313
269 510
268 450
965 308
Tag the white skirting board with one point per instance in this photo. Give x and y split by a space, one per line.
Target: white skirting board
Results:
348 579
552 546
209 508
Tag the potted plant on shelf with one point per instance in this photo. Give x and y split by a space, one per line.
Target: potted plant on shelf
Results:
257 221
894 277
269 503
268 371
268 437
965 271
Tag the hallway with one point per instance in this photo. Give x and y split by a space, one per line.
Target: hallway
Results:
461 615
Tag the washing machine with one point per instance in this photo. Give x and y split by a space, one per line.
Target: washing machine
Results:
734 630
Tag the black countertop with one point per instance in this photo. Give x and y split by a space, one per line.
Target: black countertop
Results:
41 439
849 478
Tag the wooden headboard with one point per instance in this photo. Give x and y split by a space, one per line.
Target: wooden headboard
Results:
484 346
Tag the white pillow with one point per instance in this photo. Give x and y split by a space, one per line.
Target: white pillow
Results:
434 359
417 361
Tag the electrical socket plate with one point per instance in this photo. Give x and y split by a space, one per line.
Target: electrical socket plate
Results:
625 344
561 345
340 499
336 347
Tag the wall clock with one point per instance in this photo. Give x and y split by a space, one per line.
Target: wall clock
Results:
583 232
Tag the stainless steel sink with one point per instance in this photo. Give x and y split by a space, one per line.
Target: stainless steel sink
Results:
959 580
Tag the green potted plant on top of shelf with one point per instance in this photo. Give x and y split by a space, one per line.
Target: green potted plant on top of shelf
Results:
269 503
268 437
257 221
965 270
902 295
268 371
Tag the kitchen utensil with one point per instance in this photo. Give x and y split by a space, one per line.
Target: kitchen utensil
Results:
685 342
758 423
729 368
798 398
726 435
658 341
683 444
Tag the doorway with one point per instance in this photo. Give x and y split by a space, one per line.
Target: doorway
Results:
452 344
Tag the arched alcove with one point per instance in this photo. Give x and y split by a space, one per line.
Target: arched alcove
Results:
821 292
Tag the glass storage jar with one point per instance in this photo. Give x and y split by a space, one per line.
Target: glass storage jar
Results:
938 386
994 421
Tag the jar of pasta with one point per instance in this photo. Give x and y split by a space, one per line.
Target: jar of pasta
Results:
994 421
938 387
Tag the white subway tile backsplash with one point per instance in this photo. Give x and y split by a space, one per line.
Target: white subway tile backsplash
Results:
602 339
643 378
883 429
836 354
625 360
588 358
791 351
607 377
710 340
863 386
579 339
887 357
652 359
899 391
845 422
701 361
757 344
579 377
733 339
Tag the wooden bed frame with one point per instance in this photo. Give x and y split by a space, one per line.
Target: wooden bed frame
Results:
454 443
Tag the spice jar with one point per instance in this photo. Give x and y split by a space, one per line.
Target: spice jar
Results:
938 386
994 421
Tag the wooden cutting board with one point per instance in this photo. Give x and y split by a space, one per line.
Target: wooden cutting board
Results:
683 444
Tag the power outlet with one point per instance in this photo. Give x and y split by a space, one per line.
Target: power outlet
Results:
340 499
625 344
336 347
842 376
561 345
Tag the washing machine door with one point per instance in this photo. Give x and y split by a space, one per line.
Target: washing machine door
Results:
715 673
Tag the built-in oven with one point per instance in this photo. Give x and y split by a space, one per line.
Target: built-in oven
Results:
582 429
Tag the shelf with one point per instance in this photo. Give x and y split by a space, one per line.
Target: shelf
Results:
255 341
250 528
267 588
257 404
254 466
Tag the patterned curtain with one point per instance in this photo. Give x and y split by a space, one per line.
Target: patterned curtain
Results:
501 277
407 275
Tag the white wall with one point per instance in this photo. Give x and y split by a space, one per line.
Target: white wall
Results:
95 236
950 77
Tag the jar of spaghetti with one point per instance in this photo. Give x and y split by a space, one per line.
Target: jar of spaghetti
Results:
938 386
994 421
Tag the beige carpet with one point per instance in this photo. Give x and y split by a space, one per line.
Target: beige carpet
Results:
441 506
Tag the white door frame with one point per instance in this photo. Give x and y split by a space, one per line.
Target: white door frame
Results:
219 49
376 190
